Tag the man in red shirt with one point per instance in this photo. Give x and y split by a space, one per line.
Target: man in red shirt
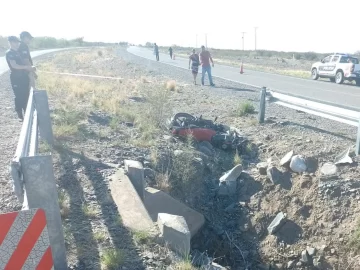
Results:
205 58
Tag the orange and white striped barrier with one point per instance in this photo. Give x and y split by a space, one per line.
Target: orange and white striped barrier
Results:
24 241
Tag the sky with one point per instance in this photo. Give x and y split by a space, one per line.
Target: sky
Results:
283 25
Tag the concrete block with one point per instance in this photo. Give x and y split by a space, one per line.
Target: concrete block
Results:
135 171
157 201
175 232
276 224
131 208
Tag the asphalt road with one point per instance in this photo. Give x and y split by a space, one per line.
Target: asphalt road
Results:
343 95
4 67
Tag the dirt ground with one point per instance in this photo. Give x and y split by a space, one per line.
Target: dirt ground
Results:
99 123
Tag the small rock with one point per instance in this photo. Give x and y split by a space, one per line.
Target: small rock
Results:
333 251
311 251
328 169
287 158
305 257
274 175
98 155
150 173
298 264
298 164
276 224
290 264
129 124
178 153
262 167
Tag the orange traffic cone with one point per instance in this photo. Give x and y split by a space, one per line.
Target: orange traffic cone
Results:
242 68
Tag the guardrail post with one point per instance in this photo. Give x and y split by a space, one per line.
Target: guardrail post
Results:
43 114
41 192
262 105
357 150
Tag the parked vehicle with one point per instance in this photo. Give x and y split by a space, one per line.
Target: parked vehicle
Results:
338 68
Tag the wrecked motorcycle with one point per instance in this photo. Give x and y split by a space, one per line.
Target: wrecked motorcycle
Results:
220 136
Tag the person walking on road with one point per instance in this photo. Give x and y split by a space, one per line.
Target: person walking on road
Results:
195 62
24 51
205 58
156 51
171 52
19 76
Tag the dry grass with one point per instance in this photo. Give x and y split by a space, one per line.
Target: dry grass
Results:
63 204
112 259
184 265
100 236
245 108
163 181
89 211
171 85
142 237
237 158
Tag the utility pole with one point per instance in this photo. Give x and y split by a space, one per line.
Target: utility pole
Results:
255 37
206 41
243 33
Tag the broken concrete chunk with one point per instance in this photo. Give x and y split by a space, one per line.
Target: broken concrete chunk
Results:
298 164
311 251
276 224
305 257
262 167
287 158
232 175
274 175
175 233
343 158
228 184
290 264
329 169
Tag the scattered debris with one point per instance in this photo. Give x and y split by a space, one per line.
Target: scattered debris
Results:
276 224
298 164
343 158
287 158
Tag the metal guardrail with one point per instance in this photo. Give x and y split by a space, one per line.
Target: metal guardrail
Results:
32 173
339 114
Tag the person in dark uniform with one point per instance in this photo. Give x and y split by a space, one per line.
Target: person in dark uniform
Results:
24 51
156 51
171 52
19 76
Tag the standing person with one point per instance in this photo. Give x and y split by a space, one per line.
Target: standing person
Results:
156 51
205 58
19 76
24 51
171 52
195 62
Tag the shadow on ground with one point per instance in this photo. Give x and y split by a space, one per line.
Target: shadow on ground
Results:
80 225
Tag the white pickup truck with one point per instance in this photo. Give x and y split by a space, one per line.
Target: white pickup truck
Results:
338 68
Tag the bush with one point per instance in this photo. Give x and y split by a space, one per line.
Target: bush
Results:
245 108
